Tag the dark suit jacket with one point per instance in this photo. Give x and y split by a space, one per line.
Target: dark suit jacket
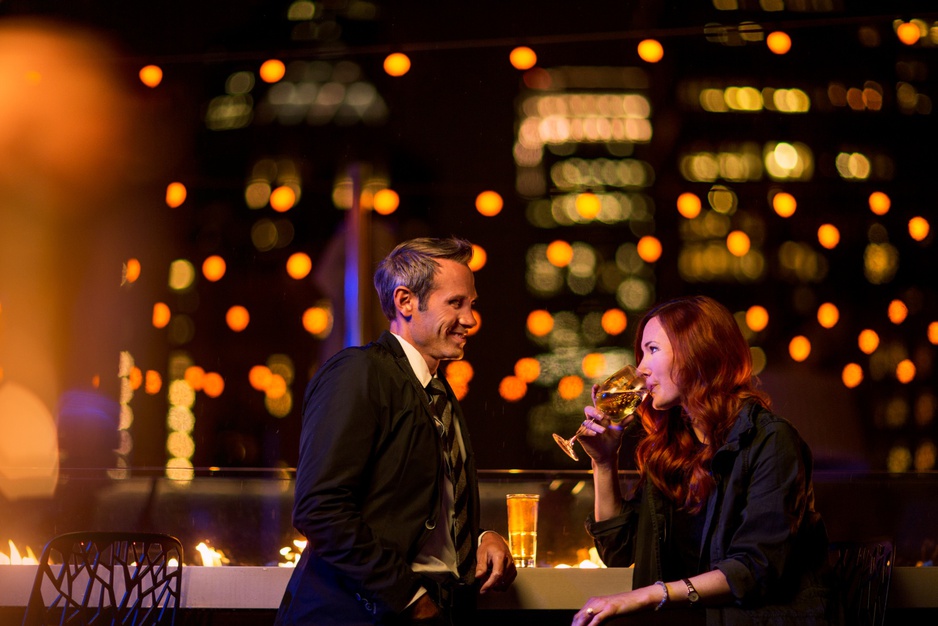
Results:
367 488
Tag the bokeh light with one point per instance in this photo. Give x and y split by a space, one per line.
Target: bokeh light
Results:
259 377
879 203
799 348
213 384
919 228
489 203
237 318
897 311
299 265
175 195
738 243
784 204
195 376
932 333
852 375
614 322
828 236
317 320
650 50
588 205
828 315
778 42
213 268
559 253
459 372
688 205
593 365
757 318
905 371
181 275
512 388
570 387
397 64
540 323
868 341
478 259
908 33
152 382
522 58
161 315
132 270
272 70
527 369
386 201
649 249
151 75
282 199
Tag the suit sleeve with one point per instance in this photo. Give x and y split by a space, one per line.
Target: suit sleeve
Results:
342 425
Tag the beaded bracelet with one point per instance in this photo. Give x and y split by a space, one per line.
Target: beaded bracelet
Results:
666 597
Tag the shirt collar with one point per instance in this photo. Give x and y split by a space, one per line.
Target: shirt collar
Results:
416 360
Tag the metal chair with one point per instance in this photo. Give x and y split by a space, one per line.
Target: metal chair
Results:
97 578
863 571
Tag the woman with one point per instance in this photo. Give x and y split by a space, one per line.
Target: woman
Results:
723 513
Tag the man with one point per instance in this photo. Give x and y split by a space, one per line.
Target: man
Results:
386 489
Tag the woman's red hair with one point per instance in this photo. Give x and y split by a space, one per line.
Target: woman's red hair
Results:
712 367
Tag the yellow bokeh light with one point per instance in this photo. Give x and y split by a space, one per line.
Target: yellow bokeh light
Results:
919 228
688 205
649 249
237 318
151 75
527 369
272 70
559 253
738 243
478 325
588 205
489 203
614 322
540 323
757 318
799 348
908 33
828 315
459 372
397 64
161 315
932 333
522 58
213 384
593 365
852 375
299 265
175 195
905 371
778 42
868 341
132 270
784 204
386 201
879 203
512 388
897 311
213 268
317 320
828 236
152 382
282 199
570 387
181 275
259 376
478 259
650 50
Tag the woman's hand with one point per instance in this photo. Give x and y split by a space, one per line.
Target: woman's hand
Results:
599 438
601 608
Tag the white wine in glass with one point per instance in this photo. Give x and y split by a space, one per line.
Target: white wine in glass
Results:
617 397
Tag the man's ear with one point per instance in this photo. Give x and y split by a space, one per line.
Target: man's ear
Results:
405 301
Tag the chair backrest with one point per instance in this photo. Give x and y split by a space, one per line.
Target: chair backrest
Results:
127 578
863 571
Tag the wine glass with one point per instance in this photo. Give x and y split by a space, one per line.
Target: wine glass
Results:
617 397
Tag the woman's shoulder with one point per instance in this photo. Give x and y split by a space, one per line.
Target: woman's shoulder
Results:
763 423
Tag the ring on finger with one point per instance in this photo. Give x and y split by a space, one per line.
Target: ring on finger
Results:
589 611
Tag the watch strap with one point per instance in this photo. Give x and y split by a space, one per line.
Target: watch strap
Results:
692 596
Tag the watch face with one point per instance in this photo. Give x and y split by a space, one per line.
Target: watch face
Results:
693 597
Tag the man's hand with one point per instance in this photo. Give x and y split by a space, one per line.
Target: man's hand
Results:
494 565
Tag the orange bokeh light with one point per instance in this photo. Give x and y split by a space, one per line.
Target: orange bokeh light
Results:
522 58
852 375
132 270
828 236
649 249
527 369
397 64
905 371
259 376
135 377
828 315
213 384
175 195
919 228
688 205
908 33
757 318
897 311
195 377
152 382
738 243
316 320
489 203
650 50
784 204
161 315
540 323
386 201
559 253
478 259
880 203
799 348
282 199
512 388
299 265
932 333
778 42
570 387
868 341
588 205
272 70
213 268
593 365
151 75
237 318
614 322
459 372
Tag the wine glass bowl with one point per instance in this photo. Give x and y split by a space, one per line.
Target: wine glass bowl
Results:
617 398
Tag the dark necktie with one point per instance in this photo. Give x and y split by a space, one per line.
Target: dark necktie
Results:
462 540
